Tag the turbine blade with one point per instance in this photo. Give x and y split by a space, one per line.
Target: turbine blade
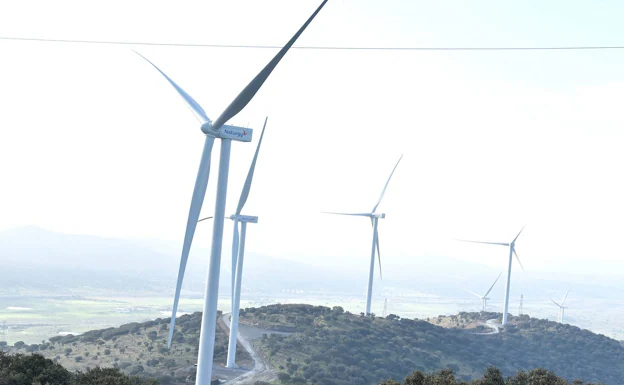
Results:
203 219
518 258
554 302
247 186
565 297
491 287
196 204
197 110
518 234
235 246
352 214
473 293
248 92
386 186
378 252
487 243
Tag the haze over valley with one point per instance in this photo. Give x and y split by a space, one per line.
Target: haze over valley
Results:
59 283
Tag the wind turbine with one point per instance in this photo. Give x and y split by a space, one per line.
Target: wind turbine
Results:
212 130
512 252
235 245
374 217
561 307
238 254
484 298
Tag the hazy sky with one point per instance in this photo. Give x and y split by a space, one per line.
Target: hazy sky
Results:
94 141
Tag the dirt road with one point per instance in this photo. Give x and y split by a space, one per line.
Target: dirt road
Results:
261 370
493 325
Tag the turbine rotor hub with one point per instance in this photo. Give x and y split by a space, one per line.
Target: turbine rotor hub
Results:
208 129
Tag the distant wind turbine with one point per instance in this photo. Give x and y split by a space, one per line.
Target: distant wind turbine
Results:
374 217
512 252
212 130
238 254
561 307
484 298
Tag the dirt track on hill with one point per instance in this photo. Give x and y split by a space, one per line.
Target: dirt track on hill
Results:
493 325
261 370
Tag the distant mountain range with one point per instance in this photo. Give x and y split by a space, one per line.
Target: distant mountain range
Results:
35 247
35 257
39 257
32 257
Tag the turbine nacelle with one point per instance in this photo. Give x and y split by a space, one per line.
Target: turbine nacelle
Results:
226 131
376 215
244 218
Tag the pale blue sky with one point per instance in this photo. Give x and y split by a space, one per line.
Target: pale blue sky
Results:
95 141
512 24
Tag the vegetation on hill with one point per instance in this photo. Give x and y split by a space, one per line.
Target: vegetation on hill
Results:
492 376
331 346
136 349
19 369
22 369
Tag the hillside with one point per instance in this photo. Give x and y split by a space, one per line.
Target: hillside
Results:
334 347
331 346
492 376
136 349
19 369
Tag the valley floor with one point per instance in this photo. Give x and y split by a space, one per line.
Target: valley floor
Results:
35 317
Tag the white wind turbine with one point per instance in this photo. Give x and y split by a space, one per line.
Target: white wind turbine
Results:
238 254
374 217
512 252
484 298
212 130
561 307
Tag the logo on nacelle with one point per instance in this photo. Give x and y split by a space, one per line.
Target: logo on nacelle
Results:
248 218
245 218
236 133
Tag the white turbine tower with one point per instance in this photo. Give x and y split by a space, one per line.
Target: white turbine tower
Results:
236 218
212 130
374 217
238 254
561 307
512 252
484 298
